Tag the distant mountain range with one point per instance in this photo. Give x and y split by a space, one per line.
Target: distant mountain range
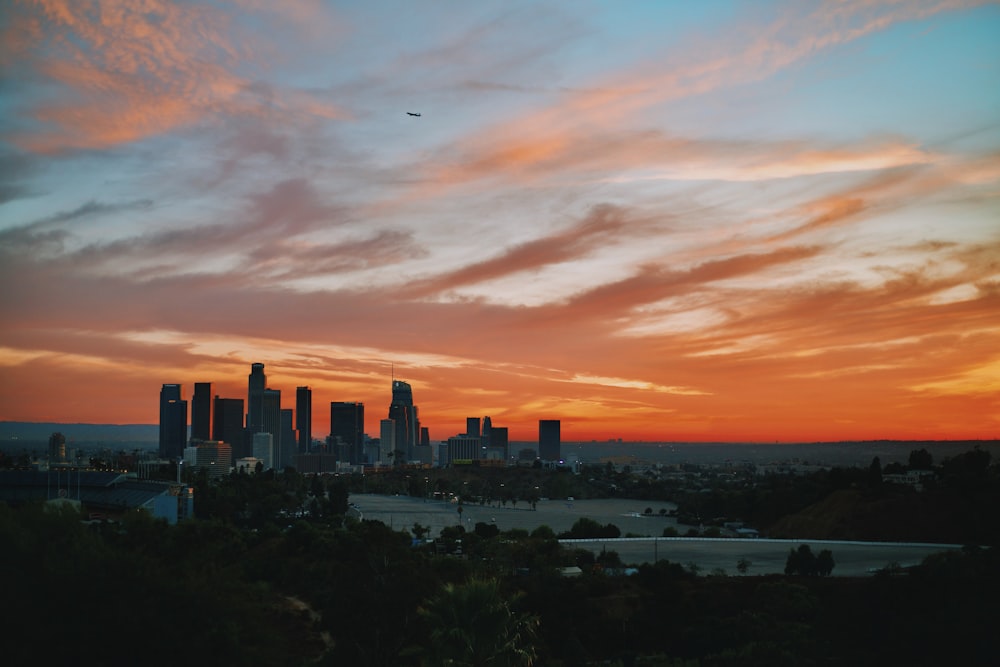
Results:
10 432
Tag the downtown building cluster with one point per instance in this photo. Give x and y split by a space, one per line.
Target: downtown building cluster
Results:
258 434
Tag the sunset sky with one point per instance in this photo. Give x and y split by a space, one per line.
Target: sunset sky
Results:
689 221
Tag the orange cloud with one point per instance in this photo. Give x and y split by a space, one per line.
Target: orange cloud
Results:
135 69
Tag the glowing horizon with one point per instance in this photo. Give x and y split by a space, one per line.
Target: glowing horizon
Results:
720 221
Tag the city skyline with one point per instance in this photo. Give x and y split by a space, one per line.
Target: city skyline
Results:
719 221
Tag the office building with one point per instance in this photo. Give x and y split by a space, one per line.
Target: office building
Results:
271 420
499 441
549 445
347 431
173 422
57 448
227 425
257 382
464 449
288 444
201 411
215 457
387 441
472 427
263 449
303 418
404 413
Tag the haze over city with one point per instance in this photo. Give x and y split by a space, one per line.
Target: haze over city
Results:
718 221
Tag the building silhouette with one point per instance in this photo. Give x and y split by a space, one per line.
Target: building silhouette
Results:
57 448
288 445
303 418
227 426
201 411
257 382
347 431
387 441
173 422
549 445
263 449
472 427
271 421
404 413
499 441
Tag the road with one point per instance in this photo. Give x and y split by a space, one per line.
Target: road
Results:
765 556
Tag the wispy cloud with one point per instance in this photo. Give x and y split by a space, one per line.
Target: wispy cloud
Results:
136 69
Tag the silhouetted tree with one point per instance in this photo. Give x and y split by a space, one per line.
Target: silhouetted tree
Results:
473 624
921 459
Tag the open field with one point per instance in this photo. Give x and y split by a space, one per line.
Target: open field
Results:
766 556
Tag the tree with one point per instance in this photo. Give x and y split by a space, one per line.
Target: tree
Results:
921 459
824 563
472 624
802 561
875 474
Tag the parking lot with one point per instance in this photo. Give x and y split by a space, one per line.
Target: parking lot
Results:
765 556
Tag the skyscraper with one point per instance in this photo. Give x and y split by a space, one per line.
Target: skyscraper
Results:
271 418
487 428
303 418
472 426
286 453
201 411
173 422
387 441
227 426
404 413
255 399
347 426
499 440
549 439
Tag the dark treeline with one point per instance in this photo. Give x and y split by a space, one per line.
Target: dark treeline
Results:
273 571
143 592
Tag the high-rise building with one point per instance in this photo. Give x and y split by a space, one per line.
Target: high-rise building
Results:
472 427
487 427
303 418
549 445
271 418
201 411
263 449
499 440
173 422
286 452
404 413
387 440
57 448
255 399
347 430
227 426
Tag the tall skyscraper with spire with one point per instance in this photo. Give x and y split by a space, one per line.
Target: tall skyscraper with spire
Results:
404 413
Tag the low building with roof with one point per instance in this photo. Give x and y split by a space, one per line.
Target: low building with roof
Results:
102 494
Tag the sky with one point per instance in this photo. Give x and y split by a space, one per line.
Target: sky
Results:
667 221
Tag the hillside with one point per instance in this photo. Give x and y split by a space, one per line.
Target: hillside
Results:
854 514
